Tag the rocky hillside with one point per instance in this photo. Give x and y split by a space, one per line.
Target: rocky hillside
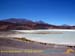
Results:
25 24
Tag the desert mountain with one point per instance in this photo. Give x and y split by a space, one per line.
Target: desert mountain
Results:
18 20
25 24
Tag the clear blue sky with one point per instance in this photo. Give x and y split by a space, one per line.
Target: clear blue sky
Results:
52 11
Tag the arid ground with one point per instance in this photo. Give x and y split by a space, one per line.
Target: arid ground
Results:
24 47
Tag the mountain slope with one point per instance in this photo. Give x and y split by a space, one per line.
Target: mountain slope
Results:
25 24
18 20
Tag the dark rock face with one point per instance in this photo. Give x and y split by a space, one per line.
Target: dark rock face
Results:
24 24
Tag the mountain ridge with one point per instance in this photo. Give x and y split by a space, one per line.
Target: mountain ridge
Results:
25 24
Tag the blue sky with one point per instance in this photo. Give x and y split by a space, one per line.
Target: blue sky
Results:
51 11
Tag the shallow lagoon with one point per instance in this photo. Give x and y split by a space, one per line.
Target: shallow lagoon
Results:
54 36
67 37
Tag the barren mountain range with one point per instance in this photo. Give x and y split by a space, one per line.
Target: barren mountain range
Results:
25 24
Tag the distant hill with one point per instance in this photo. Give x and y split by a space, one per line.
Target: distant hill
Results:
18 20
25 24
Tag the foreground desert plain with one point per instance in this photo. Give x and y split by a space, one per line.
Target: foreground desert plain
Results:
19 46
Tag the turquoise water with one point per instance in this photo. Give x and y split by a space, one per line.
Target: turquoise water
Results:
67 37
51 36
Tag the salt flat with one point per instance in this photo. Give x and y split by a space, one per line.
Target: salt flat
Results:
54 36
